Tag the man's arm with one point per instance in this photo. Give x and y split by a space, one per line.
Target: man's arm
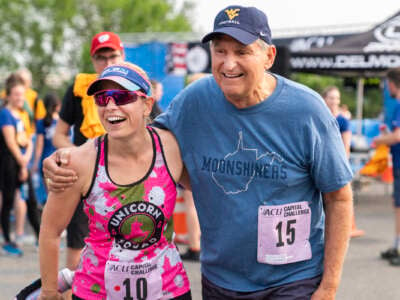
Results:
338 210
61 137
389 139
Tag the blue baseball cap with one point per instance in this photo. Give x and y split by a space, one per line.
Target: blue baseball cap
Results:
123 74
245 24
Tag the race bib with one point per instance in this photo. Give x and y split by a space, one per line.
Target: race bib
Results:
132 281
283 233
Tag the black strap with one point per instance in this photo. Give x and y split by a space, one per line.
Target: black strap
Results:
25 292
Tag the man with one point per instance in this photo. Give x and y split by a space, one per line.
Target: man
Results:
331 95
79 111
262 153
393 140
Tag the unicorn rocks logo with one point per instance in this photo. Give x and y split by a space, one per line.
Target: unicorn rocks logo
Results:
137 225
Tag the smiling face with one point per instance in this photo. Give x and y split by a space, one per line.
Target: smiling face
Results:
16 96
239 70
123 120
332 99
106 57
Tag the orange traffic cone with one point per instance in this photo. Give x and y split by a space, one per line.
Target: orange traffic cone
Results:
387 175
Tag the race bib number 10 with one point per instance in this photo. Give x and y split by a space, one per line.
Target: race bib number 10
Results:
283 233
124 281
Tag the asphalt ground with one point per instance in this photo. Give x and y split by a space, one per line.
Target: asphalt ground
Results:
365 275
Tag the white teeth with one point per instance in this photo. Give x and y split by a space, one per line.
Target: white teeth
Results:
230 75
116 118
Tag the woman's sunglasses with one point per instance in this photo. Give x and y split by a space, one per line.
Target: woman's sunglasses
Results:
120 97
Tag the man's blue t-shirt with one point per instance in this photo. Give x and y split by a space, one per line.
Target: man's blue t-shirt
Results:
286 149
48 133
395 149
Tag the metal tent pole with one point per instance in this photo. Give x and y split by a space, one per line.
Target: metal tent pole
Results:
360 101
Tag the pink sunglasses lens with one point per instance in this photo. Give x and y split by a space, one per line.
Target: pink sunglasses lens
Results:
119 97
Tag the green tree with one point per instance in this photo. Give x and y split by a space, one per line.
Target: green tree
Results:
373 99
53 36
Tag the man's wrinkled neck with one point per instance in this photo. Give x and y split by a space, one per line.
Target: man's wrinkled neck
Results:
258 95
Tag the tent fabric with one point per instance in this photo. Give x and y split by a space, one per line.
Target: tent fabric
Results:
368 53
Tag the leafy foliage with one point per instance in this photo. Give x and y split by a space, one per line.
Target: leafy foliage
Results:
373 99
52 36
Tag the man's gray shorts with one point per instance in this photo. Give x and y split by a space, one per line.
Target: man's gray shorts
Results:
298 290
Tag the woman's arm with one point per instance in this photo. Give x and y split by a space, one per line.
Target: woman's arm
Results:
29 150
11 142
185 180
346 138
172 153
57 213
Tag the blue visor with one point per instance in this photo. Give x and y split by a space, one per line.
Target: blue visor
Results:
127 77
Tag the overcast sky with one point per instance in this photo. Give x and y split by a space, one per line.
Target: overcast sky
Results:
284 14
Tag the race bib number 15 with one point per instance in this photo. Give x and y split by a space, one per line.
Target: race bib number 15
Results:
283 233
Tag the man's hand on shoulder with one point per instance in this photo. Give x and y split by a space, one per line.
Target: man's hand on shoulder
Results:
57 176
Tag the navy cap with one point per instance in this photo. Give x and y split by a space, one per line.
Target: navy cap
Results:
245 24
124 75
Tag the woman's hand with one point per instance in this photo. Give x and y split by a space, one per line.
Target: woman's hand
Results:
23 174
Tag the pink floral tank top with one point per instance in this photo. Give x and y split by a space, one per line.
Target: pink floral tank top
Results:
129 253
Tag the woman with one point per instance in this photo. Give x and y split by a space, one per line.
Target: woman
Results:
127 182
15 153
331 96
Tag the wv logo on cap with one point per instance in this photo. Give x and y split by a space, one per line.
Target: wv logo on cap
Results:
232 13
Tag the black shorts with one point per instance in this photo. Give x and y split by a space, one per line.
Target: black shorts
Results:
78 228
300 290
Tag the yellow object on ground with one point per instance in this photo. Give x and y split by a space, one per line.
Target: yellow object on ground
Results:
378 162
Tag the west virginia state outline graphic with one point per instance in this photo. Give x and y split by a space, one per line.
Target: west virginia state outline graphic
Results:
271 156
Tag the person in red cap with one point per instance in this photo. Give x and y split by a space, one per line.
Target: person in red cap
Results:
79 112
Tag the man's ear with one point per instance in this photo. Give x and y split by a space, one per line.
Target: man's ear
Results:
271 55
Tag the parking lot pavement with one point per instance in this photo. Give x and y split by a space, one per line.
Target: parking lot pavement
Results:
365 275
